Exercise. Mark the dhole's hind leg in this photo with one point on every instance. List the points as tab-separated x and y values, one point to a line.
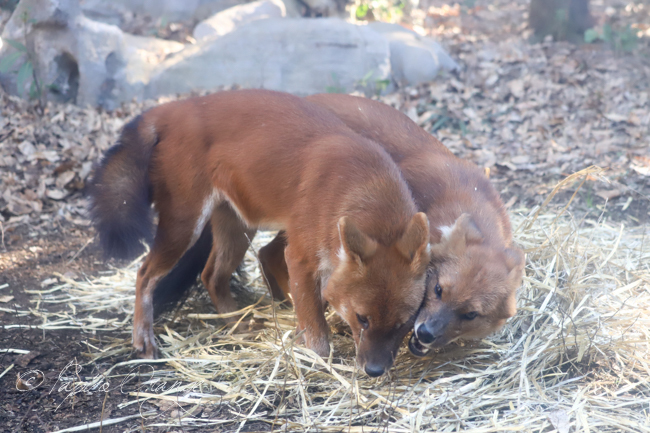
274	267
173	238
230	238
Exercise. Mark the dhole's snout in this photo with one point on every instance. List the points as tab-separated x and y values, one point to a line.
431	332
376	364
376	355
376	369
433	329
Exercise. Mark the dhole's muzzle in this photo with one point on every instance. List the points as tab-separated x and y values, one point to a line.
375	354
432	332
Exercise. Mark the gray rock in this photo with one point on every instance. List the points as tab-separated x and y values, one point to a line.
414	59
30	20
113	66
323	7
293	8
80	60
226	21
113	11
51	13
301	56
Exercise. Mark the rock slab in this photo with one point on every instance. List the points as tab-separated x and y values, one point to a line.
93	63
113	11
414	59
80	60
226	21
300	56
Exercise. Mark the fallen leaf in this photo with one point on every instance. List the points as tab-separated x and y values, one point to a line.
517	88
64	178
511	202
485	158
71	275
6	298
25	359
26	148
56	194
7	161
48	155
412	113
508	164
62	168
608	195
491	80
48	282
86	168
641	164
615	117
520	159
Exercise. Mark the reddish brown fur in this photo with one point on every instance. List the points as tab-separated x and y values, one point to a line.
476	265
252	159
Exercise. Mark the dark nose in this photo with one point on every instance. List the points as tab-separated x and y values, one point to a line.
424	334
373	370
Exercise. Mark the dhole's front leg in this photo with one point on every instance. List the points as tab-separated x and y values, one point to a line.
307	301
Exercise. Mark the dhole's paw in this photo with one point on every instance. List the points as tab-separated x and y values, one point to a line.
144	342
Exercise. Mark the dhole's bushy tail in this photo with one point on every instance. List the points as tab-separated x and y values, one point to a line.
121	192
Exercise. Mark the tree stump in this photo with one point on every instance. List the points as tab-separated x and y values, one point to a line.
565	20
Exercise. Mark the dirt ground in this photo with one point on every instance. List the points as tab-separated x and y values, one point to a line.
44	233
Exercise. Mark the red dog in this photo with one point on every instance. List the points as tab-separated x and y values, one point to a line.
248	159
475	268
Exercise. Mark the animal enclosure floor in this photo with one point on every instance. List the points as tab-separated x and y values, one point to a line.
533	114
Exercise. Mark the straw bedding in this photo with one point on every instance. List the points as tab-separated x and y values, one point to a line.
574	358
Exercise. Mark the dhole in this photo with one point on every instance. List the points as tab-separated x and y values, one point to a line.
248	159
475	268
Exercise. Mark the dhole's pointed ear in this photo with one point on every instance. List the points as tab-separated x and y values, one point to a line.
466	230
355	243
514	258
515	261
510	306
455	239
415	241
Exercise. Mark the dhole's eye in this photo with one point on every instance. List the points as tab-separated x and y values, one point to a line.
438	291
470	316
363	320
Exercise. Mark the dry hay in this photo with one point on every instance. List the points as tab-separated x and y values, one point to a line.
574	357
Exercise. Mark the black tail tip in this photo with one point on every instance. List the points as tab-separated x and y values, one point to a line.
124	241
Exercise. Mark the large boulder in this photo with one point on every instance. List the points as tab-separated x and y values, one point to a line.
414	59
226	21
30	20
77	59
114	11
301	56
